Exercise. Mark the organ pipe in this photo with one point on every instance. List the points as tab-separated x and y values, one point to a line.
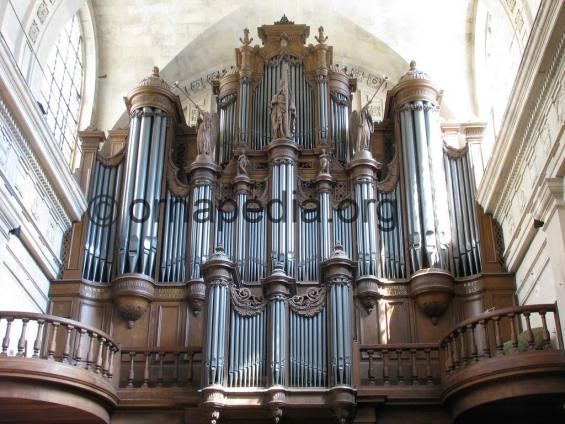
100	236
465	234
282	227
200	236
141	199
174	244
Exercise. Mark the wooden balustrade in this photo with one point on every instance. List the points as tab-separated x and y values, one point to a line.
160	367
77	339
401	364
481	337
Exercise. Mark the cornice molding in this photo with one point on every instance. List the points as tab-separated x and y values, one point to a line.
539	62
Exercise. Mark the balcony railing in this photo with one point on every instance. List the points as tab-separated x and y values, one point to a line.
60	340
157	367
399	371
400	364
480	338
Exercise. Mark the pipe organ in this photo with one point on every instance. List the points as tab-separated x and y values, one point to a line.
287	216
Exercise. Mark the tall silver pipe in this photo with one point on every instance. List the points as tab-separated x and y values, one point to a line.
129	183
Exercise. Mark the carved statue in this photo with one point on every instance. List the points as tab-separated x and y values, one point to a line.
242	163
208	132
208	127
361	124
283	112
361	128
324	163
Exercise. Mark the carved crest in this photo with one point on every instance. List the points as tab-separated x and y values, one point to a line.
309	304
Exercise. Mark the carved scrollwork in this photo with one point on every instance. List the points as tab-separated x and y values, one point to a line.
309	304
245	303
177	187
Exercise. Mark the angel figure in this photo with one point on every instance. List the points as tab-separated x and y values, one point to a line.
361	128
242	163
208	132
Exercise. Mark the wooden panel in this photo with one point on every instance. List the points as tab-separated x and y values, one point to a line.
168	325
397	320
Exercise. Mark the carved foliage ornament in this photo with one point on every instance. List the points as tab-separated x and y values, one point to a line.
245	303
309	304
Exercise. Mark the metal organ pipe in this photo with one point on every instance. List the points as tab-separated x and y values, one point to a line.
100	236
465	235
141	196
412	190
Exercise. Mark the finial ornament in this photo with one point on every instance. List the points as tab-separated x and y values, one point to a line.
284	21
246	40
155	71
321	38
412	65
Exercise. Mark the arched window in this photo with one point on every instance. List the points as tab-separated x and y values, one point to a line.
61	88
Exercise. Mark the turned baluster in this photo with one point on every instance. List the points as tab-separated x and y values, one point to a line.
22	340
529	333
90	354
513	332
131	374
78	355
463	346
99	356
473	351
499	350
53	344
545	332
413	359
486	346
176	369
385	367
449	360
67	349
113	351
371	369
160	356
37	342
146	371
106	363
400	368
429	377
6	339
455	351
190	370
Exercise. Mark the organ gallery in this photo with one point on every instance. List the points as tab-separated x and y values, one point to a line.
292	258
